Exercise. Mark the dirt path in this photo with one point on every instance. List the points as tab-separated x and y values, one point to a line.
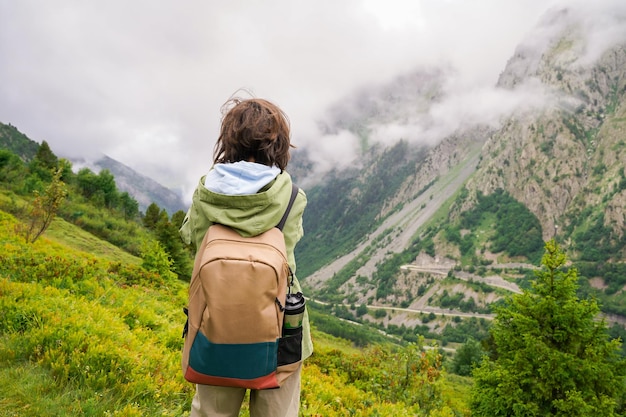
436	310
425	310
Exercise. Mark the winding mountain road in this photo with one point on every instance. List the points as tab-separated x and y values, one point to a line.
492	280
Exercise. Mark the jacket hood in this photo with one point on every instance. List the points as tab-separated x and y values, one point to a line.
248	214
239	178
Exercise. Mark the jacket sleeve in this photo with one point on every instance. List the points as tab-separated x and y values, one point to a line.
185	229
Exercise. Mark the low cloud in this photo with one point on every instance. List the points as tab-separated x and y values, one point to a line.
143	81
461	103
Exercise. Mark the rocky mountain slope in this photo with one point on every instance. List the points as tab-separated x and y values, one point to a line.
560	161
571	155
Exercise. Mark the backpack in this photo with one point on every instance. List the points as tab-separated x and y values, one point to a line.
234	332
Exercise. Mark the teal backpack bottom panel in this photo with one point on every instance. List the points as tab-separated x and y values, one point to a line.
232	362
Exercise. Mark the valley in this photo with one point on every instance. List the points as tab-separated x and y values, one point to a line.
399	228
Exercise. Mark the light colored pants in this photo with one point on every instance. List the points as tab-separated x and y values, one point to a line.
212	401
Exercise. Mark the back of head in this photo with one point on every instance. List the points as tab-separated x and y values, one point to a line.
253	130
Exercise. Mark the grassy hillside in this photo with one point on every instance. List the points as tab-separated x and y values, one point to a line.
86	331
65	233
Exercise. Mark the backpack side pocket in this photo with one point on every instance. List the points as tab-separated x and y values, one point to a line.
290	346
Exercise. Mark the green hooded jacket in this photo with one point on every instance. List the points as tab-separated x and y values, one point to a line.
251	215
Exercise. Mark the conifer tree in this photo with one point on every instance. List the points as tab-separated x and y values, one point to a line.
178	218
44	164
155	258
167	234
551	354
12	169
153	215
129	206
46	157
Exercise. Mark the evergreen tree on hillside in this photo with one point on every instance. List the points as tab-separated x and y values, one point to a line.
467	357
153	215
167	234
129	206
12	170
45	162
155	258
46	157
178	218
550	353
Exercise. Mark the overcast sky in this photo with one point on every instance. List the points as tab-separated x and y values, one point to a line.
143	80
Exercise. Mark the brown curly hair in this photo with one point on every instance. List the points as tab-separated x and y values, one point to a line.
253	130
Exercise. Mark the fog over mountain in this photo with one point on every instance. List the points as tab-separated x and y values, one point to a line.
427	105
144	82
540	155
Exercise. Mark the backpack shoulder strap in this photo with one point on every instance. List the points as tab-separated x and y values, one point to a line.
294	193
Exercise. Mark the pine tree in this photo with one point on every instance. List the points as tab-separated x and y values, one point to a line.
46	157
129	206
155	258
45	162
551	354
167	234
153	215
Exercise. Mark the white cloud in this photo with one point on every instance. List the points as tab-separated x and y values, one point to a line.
333	151
143	81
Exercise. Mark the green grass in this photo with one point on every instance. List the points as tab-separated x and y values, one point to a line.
326	341
65	233
70	235
83	334
30	390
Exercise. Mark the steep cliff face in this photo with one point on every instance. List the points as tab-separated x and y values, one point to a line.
442	160
570	154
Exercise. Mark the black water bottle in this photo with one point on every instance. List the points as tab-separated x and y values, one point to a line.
294	311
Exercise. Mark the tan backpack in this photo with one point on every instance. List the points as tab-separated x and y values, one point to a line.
234	333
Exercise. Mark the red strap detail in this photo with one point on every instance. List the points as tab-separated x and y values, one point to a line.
264	382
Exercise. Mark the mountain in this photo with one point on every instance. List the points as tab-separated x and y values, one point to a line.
449	228
17	142
575	149
143	189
